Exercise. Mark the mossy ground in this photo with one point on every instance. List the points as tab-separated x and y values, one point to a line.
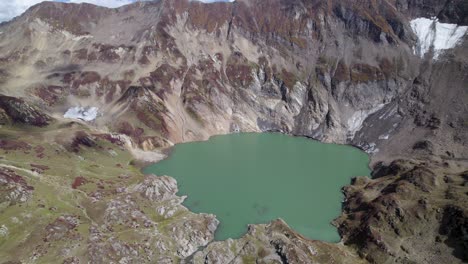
85	201
105	167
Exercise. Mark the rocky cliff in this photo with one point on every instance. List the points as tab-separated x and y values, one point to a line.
387	76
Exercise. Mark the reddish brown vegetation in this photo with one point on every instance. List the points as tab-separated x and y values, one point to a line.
238	70
87	78
148	110
138	134
161	78
82	139
39	151
7	175
77	16
22	112
127	129
288	78
62	227
342	72
39	167
79	181
365	73
13	187
388	68
50	94
9	144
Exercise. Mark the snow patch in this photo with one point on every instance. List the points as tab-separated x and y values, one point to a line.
120	51
82	113
433	34
384	136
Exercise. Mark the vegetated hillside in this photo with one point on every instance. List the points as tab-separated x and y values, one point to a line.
165	72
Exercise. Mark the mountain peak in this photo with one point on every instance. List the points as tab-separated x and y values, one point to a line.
72	17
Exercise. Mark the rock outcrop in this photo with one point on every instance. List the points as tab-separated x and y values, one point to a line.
20	111
13	188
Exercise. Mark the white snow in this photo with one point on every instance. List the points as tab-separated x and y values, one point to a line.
439	36
384	136
120	51
83	113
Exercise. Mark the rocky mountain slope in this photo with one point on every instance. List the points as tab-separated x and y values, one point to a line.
145	76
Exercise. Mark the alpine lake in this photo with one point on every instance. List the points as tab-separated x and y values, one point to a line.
255	178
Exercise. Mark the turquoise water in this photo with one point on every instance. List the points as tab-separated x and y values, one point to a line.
255	178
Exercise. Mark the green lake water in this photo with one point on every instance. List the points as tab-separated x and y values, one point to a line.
255	178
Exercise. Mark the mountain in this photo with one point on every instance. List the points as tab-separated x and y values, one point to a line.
387	76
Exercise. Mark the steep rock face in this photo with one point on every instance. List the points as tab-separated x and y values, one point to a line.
431	110
449	11
20	111
186	70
